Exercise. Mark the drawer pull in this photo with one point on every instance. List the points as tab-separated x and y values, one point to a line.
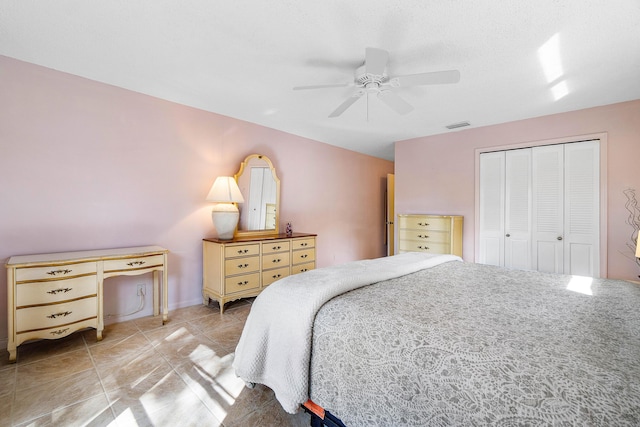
304	244
275	276
275	261
132	263
246	282
423	236
59	331
57	291
303	270
304	256
56	272
426	248
423	224
243	251
243	265
275	248
61	314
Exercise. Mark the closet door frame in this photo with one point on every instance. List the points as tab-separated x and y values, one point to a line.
602	136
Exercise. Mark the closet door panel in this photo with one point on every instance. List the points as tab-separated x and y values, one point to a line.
548	208
582	209
517	242
492	182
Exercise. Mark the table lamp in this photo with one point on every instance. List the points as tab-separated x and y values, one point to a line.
225	193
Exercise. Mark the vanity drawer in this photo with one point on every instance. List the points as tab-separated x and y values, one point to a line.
241	250
241	265
426	236
425	223
270	276
301	268
275	246
50	316
34	293
303	243
27	274
275	260
137	263
241	283
304	255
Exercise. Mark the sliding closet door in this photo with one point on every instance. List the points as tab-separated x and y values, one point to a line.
517	226
548	208
582	209
492	185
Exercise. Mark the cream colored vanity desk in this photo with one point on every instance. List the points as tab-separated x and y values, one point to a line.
53	295
244	266
438	234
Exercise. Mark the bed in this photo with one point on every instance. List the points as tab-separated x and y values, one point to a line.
419	340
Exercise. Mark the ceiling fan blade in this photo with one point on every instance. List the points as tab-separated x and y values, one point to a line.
396	103
375	60
321	86
346	104
437	77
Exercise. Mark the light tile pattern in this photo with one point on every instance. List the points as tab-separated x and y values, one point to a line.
141	374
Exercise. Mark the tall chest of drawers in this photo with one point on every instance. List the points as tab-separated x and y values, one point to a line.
53	295
437	234
243	267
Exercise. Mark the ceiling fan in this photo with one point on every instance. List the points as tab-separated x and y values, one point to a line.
371	78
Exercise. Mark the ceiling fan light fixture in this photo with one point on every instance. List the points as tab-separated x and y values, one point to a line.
458	125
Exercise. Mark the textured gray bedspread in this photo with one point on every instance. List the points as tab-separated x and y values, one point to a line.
465	344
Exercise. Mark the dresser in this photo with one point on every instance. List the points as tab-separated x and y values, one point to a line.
437	234
244	266
53	295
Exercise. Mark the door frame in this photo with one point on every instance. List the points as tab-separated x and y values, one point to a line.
602	136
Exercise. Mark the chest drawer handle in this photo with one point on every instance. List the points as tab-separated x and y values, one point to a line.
59	331
423	224
132	263
61	314
303	270
304	256
275	276
304	244
426	248
275	261
57	291
243	251
243	265
275	248
56	272
423	236
246	282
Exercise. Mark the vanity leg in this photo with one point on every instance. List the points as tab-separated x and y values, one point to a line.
13	353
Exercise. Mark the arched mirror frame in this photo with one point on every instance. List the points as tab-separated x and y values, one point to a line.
245	165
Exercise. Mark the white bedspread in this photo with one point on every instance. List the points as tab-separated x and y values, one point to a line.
275	346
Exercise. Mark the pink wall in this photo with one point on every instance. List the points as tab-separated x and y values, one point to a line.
437	174
84	165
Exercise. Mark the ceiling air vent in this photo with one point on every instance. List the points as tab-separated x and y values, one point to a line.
457	125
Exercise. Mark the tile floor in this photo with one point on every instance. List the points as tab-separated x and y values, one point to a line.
141	374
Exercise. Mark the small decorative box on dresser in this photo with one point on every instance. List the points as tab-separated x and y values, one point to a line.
243	267
53	295
437	234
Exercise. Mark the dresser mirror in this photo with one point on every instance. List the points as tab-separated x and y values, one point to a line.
260	187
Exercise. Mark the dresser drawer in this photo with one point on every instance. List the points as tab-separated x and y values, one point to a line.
304	255
241	250
425	236
28	274
241	283
270	276
303	243
49	316
425	223
301	268
276	246
242	265
137	263
34	293
275	260
432	248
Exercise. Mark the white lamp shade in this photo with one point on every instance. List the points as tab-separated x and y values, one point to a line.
225	190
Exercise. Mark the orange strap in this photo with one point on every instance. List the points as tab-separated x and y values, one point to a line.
316	409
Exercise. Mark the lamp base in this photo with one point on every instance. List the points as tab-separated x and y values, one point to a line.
225	219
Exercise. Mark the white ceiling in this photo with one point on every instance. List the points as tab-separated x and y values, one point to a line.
241	58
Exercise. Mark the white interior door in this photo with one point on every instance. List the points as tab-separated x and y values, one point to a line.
492	195
517	241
